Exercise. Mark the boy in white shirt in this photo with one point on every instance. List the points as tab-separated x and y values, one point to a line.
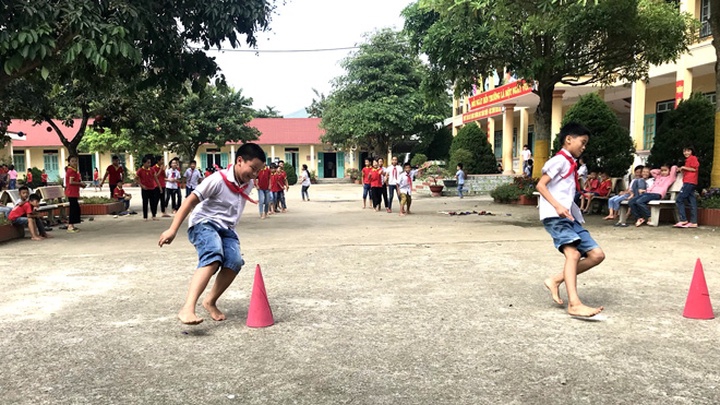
404	187
563	220
526	156
215	207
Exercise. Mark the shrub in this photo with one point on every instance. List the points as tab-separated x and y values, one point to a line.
506	193
610	146
292	177
473	139
460	156
97	200
418	159
353	173
692	123
36	173
710	198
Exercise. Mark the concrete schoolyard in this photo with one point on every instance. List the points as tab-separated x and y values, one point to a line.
370	308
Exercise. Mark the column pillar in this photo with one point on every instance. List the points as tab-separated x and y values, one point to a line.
166	157
272	153
557	115
637	114
313	165
62	164
523	132
131	163
28	162
97	162
491	132
686	76
232	153
508	124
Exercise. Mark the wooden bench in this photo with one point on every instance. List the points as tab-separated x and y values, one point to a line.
599	203
657	205
10	197
54	198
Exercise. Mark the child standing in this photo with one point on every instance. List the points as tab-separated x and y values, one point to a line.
162	196
28	178
73	183
43	178
172	185
148	181
526	157
96	179
460	177
376	182
563	220
305	183
263	187
687	193
12	178
366	182
192	178
215	208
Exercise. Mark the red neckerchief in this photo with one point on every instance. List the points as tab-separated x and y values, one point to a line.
237	189
573	167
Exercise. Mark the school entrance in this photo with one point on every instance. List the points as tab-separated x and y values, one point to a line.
331	165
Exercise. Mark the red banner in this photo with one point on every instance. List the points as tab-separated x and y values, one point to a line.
679	91
481	113
500	94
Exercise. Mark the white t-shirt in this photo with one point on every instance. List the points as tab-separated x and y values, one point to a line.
393	174
192	177
306	178
217	202
526	154
562	189
172	174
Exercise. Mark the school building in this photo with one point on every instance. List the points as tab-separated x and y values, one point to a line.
506	111
294	140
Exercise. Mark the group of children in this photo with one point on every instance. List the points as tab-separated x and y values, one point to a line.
381	183
271	186
9	177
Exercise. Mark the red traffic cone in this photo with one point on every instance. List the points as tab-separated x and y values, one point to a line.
698	304
259	312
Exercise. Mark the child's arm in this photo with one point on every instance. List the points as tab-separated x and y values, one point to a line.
543	190
185	209
655	173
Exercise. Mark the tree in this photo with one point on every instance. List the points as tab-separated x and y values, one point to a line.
436	144
268	112
377	104
690	124
217	115
546	42
610	147
317	106
472	138
74	56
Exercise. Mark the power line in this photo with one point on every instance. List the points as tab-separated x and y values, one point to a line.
280	50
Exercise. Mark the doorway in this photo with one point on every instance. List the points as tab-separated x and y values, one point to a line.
85	167
330	165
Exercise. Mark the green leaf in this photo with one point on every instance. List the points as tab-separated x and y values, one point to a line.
44	72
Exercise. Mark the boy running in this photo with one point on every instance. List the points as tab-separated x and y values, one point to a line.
563	220
220	200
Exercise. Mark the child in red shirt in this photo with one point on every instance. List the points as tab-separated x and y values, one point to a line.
366	181
375	178
120	195
25	213
277	187
43	178
147	178
687	192
28	178
595	187
263	187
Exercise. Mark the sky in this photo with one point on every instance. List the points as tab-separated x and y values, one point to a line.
285	80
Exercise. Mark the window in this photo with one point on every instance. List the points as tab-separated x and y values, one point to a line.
649	131
705	30
515	151
661	109
19	161
711	97
498	144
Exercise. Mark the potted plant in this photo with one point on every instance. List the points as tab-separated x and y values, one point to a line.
709	207
506	193
354	175
527	188
8	231
100	206
434	173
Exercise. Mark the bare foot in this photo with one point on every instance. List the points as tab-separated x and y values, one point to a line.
189	317
554	290
155	219
583	310
215	313
402	214
35	238
609	218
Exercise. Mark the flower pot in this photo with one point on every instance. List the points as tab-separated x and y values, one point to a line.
9	232
525	200
451	183
436	190
709	216
101	209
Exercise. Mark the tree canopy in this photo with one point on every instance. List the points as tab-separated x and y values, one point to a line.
546	42
377	103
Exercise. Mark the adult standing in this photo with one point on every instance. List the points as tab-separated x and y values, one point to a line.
392	174
73	183
113	174
193	176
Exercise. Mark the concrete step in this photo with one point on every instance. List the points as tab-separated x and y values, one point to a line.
341	180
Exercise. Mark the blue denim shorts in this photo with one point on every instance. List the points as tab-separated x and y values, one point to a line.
216	244
566	232
20	221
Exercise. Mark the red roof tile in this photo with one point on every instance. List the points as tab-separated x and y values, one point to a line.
38	135
288	131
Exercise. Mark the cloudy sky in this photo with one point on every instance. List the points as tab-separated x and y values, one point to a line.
285	80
